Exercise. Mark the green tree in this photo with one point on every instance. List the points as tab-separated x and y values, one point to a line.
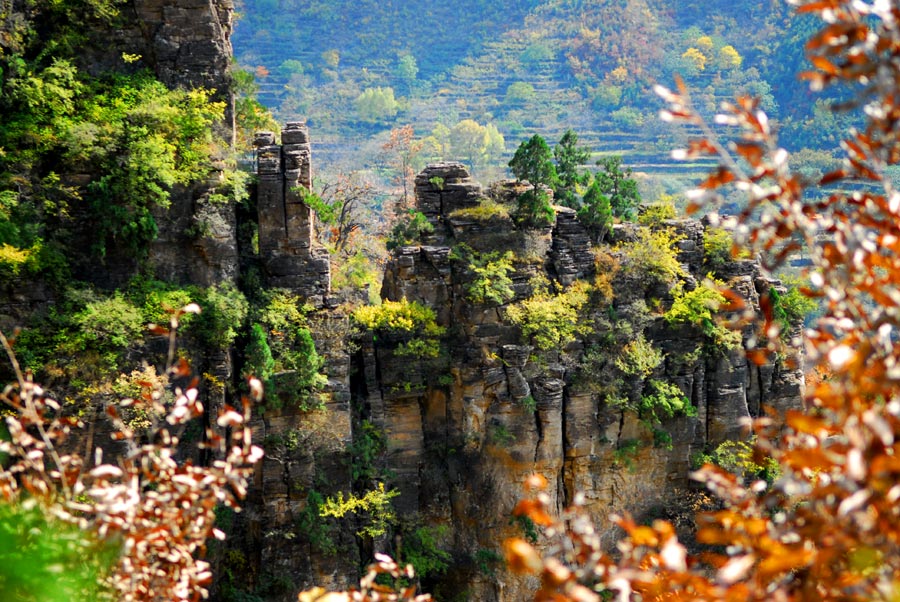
468	140
376	104
595	212
569	157
618	185
533	162
495	144
519	93
407	69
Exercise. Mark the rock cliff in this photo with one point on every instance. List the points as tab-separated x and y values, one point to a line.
459	432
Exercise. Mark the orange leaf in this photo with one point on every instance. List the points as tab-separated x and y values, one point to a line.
804	423
521	557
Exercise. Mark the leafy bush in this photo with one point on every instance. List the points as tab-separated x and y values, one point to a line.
665	400
313	526
259	361
791	308
627	117
551	321
14	260
738	457
369	443
158	299
639	358
409	231
109	324
421	549
224	310
281	352
486	561
147	138
534	209
501	435
409	320
659	401
626	453
698	308
653	255
654	214
357	272
490	272
719	249
375	505
399	317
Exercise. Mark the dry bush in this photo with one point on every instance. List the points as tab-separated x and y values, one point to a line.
829	527
158	510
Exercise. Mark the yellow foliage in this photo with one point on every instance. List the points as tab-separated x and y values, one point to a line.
729	58
619	75
697	58
705	43
12	259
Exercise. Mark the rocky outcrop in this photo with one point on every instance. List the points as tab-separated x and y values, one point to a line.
504	409
287	246
571	257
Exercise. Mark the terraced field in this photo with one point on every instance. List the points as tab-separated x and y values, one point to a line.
496	79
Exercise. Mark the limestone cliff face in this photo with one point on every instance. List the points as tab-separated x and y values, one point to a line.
569	433
461	432
187	43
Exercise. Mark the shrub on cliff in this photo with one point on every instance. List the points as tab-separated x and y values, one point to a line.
489	274
653	254
409	230
698	308
551	321
414	324
281	352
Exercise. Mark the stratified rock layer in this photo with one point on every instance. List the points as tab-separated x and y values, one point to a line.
508	410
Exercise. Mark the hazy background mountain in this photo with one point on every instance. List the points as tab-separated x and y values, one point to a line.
356	69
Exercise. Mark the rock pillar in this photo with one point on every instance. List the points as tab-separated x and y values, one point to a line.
287	246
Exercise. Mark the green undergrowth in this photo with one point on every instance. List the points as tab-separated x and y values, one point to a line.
89	339
280	351
414	325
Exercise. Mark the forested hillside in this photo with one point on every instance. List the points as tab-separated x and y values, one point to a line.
355	70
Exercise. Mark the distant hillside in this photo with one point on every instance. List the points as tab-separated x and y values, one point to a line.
355	69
